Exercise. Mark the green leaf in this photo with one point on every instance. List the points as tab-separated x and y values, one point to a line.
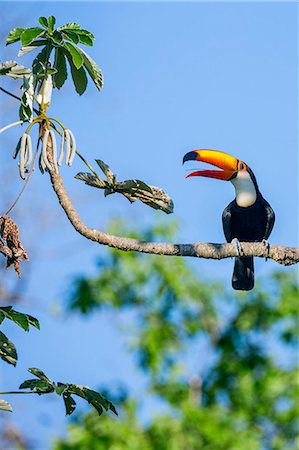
14	35
85	33
57	37
5	406
69	403
69	26
79	76
51	23
39	63
59	64
106	170
60	388
71	36
40	386
21	319
74	53
39	373
33	321
8	350
93	69
90	179
86	40
43	21
32	46
29	34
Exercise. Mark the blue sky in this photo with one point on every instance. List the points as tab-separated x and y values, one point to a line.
178	76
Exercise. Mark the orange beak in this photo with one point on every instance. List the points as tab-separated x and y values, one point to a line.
228	164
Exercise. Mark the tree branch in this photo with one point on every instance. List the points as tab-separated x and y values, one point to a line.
281	254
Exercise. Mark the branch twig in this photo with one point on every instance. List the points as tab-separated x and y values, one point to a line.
281	254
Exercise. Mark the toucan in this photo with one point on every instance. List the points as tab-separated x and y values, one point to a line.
248	218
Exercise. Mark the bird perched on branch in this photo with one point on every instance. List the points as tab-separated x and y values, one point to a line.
248	218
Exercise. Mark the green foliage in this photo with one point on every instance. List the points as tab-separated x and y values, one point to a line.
244	398
64	42
43	385
8	350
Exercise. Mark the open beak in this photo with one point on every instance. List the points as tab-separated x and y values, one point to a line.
227	163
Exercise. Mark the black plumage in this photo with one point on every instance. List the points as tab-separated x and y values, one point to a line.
248	224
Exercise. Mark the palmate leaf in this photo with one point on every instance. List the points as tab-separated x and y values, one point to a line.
133	190
64	40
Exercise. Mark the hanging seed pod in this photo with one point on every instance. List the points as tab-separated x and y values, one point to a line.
61	153
41	163
54	149
44	150
73	148
67	146
28	151
22	156
17	149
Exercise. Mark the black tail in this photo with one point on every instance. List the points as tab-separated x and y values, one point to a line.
243	276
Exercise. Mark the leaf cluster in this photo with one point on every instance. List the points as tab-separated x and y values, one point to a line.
8	350
58	47
133	190
43	385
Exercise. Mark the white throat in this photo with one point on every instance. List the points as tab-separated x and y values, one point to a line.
245	190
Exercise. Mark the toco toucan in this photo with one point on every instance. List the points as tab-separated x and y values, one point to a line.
248	218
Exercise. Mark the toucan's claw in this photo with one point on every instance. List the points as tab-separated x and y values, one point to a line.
267	245
238	246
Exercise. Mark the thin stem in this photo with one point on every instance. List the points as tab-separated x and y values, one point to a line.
89	166
19	122
27	180
58	121
18	392
16	97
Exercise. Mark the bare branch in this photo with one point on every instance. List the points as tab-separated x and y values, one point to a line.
281	254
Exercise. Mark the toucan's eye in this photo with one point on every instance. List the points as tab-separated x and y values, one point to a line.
241	166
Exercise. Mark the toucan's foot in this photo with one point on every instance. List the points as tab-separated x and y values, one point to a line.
267	245
238	246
